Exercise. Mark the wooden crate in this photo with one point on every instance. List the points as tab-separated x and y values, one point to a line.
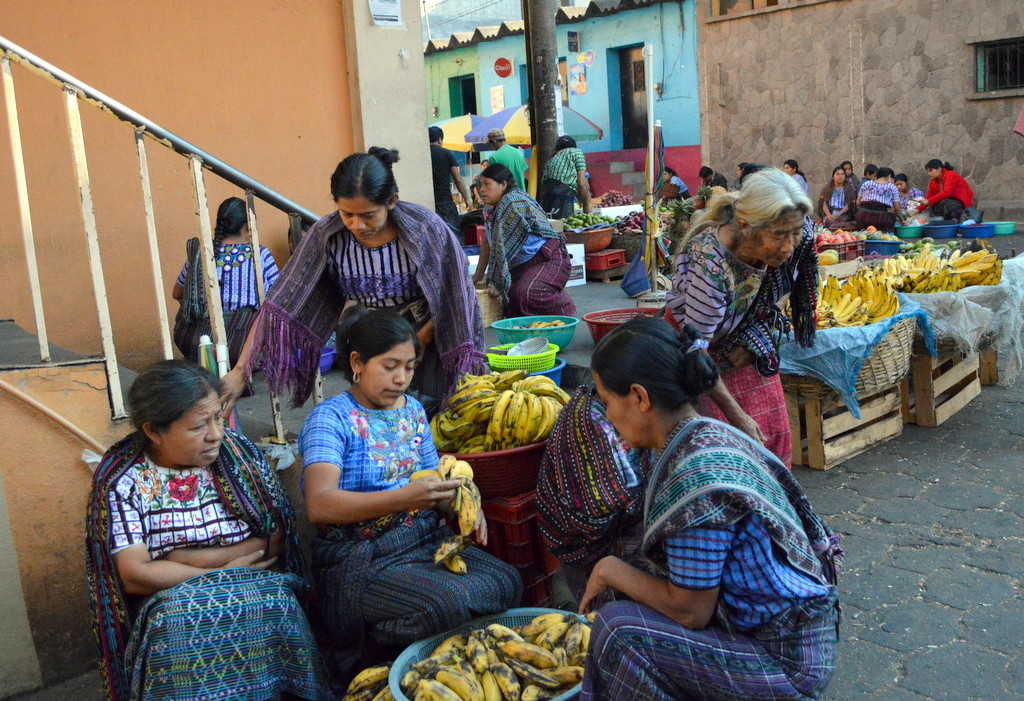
939	386
826	434
988	367
610	275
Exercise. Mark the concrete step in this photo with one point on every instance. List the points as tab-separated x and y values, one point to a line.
621	167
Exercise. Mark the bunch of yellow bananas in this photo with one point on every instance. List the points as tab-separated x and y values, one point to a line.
836	308
498	411
875	292
467	508
542	325
540	660
946	271
370	685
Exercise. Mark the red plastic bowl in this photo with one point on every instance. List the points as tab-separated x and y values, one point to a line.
506	473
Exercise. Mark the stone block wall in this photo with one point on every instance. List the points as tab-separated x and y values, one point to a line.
889	82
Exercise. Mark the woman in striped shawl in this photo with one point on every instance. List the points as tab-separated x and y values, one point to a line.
734	596
741	258
193	564
523	260
381	253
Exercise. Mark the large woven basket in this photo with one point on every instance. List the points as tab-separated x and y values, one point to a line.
888	363
490	307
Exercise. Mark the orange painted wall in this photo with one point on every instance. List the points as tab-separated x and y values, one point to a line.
263	86
47	487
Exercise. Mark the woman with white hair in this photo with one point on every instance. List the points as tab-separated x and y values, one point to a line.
747	251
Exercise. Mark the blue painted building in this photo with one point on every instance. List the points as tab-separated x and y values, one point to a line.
461	74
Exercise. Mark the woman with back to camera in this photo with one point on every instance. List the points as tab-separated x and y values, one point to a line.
383	254
734	596
236	272
565	181
194	567
373	558
741	256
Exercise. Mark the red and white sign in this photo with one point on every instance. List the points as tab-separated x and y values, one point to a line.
503	67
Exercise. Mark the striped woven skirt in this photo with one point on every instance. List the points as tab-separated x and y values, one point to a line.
229	634
637	653
388	588
763	400
538	285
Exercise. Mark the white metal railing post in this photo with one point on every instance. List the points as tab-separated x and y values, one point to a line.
261	293
93	245
154	251
21	186
212	284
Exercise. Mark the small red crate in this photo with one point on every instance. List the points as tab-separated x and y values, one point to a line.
549	562
608	258
538	593
848	250
473	234
514	517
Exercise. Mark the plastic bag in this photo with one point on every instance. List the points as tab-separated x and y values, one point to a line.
283	453
91	459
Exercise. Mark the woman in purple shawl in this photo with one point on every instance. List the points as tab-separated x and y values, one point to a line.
382	254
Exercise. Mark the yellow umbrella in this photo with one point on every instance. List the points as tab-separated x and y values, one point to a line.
455	130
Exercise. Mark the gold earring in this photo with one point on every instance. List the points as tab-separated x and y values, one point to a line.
355	379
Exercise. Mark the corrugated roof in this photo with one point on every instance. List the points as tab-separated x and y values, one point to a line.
565	15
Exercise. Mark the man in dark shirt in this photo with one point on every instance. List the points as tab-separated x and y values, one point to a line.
712	178
444	169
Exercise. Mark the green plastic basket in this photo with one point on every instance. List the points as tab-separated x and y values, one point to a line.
421	650
1003	228
909	231
530	363
561	336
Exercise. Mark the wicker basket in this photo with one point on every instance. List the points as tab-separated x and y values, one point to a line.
888	363
490	307
601	323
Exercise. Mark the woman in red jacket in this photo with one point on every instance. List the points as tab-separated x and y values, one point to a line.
948	193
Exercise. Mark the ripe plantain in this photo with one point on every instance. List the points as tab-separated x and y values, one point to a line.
507	680
541	622
433	690
529	653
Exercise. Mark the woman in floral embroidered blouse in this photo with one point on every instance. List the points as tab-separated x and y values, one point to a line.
373	559
185	524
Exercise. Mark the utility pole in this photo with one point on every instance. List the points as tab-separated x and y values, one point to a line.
542	76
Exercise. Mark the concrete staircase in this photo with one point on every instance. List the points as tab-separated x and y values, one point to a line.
616	175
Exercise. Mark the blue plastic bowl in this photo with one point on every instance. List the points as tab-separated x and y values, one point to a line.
940	231
882	248
555	373
327	359
559	335
977	231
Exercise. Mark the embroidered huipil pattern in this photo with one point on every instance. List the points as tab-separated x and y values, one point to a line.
170	508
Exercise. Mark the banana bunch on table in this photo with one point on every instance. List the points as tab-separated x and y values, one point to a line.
875	293
467	510
540	660
497	411
943	271
839	308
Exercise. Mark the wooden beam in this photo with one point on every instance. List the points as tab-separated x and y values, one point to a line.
154	249
99	287
21	190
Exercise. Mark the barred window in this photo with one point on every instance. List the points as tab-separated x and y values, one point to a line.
1000	65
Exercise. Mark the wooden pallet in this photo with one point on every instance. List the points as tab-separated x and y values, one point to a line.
610	275
826	434
988	367
939	386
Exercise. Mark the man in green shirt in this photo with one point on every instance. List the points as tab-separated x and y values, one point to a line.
507	155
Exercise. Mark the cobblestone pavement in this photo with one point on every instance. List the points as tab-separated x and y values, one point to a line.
933	525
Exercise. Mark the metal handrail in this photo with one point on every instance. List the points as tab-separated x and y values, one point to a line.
36	65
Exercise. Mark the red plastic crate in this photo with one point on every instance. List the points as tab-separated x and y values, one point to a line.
538	593
473	234
849	250
512	517
608	258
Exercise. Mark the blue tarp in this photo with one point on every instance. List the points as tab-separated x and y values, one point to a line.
838	354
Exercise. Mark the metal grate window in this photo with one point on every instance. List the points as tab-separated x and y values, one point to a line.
1000	65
